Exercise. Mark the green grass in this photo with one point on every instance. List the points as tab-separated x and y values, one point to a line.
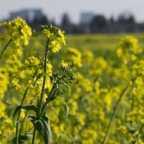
99	41
100	44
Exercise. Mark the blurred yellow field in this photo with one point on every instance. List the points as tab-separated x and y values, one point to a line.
78	89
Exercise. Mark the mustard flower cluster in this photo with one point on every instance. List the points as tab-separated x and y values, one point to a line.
19	31
55	37
3	82
73	57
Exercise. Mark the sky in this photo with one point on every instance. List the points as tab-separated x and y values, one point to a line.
55	8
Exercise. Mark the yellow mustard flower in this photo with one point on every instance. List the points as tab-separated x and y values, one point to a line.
55	38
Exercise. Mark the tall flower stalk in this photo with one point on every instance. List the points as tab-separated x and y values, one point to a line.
38	117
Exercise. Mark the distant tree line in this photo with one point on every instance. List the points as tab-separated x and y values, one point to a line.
99	23
124	23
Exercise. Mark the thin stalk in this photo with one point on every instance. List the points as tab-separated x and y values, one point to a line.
18	117
34	135
113	115
5	48
43	86
22	101
52	93
44	76
22	122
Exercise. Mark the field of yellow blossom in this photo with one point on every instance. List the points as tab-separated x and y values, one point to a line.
57	89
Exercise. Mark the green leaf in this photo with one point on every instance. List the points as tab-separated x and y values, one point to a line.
27	107
52	94
43	128
47	132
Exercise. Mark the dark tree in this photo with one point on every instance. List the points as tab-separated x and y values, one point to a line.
126	18
126	23
66	23
98	24
43	20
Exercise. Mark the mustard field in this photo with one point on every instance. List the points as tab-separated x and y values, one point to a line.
59	89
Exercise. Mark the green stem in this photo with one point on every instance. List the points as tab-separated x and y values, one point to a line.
22	122
113	115
17	132
44	75
5	48
18	117
34	135
19	113
52	93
